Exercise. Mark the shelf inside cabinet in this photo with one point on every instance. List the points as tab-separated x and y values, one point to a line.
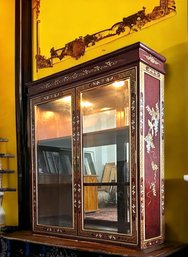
107	184
53	179
105	137
56	142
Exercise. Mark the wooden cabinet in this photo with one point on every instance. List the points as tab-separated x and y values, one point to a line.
100	124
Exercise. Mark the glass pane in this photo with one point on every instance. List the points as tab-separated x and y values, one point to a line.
54	162
105	116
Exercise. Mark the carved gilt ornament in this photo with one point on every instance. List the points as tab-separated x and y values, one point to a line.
128	25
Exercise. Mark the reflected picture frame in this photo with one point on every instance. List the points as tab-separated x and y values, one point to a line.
89	164
54	160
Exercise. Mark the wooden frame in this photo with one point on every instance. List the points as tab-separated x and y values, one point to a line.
109	175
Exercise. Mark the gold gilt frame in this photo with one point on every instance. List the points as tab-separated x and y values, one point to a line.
128	25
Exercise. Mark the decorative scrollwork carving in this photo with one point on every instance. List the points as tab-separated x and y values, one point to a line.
128	25
36	7
43	62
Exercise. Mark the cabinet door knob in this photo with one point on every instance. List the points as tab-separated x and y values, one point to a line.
185	177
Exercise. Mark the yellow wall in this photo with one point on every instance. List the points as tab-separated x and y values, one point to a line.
176	141
168	37
7	105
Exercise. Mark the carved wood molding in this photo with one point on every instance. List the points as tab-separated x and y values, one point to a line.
128	25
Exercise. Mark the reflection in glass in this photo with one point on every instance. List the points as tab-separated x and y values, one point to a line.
54	162
105	113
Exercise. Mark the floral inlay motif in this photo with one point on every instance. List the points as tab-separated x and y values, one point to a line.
162	119
151	59
162	196
142	198
153	183
141	113
153	124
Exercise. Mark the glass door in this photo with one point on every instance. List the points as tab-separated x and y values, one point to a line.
53	170
105	128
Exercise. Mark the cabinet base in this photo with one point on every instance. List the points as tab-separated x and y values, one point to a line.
27	237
